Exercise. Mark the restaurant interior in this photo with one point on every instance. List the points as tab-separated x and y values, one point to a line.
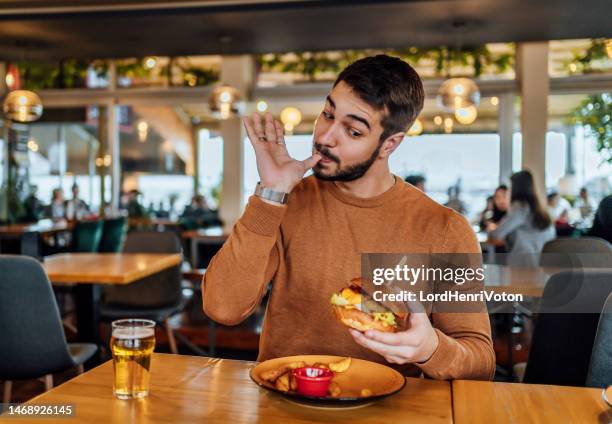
125	167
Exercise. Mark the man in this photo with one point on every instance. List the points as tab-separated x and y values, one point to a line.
585	205
310	247
76	208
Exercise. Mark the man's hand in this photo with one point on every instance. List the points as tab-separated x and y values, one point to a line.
416	344
277	170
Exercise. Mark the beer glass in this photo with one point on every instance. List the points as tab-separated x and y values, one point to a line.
132	344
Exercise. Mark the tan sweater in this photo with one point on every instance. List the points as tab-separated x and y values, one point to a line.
311	247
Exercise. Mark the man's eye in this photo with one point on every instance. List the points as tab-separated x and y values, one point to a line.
353	133
327	115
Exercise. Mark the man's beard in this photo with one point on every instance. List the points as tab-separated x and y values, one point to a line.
351	172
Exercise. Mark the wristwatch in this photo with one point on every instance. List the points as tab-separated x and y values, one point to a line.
269	194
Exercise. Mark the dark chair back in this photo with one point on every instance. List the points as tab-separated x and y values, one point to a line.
565	327
600	368
32	340
160	289
113	235
86	236
580	252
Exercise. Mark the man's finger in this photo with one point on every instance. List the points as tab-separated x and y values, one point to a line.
253	138
380	348
280	133
402	338
270	130
312	161
259	132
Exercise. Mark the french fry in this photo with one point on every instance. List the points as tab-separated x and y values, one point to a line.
292	382
272	375
341	365
334	389
297	364
282	382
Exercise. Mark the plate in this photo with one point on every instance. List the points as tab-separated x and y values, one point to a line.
381	380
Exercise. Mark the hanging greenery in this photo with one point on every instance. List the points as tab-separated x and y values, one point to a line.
595	114
596	58
313	64
69	73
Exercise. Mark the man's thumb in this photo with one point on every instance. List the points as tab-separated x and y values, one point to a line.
312	161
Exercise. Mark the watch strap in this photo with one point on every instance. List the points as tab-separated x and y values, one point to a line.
269	194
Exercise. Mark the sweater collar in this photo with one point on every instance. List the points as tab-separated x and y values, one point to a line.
363	202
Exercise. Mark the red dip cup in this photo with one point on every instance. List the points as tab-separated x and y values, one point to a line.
312	381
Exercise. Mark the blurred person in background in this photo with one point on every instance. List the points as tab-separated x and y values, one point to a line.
199	215
56	209
134	206
585	204
496	208
416	180
454	199
76	208
527	226
34	208
602	223
558	207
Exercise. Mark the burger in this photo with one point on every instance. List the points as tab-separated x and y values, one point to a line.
356	309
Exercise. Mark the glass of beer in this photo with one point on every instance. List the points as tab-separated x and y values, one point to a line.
132	344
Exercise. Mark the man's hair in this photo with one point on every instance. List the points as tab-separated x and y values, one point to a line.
387	84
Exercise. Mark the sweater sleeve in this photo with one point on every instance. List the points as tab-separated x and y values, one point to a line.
237	276
465	349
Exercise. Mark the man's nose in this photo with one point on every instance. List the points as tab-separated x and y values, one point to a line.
328	137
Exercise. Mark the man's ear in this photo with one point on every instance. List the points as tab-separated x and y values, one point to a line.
391	143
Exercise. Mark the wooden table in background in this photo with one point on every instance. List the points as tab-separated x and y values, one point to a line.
90	270
211	236
29	234
511	279
487	402
190	389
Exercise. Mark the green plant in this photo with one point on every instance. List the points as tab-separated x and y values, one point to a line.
312	64
588	61
595	114
69	73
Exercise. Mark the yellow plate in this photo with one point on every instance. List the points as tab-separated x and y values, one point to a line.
381	380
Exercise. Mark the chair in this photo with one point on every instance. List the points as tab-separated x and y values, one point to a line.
86	236
565	329
32	341
113	235
157	297
581	252
600	368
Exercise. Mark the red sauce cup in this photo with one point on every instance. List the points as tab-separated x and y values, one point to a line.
312	381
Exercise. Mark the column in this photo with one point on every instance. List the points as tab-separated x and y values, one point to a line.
115	154
505	125
239	72
532	74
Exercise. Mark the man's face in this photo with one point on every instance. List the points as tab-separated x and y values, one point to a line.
347	134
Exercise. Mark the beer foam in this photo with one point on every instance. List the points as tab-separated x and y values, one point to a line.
133	333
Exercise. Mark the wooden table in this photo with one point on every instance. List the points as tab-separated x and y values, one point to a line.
29	234
210	236
90	270
189	389
487	402
510	279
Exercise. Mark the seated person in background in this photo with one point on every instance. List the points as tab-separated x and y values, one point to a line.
585	204
56	209
135	209
526	227
76	208
454	200
416	180
199	215
497	209
602	223
34	208
558	208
